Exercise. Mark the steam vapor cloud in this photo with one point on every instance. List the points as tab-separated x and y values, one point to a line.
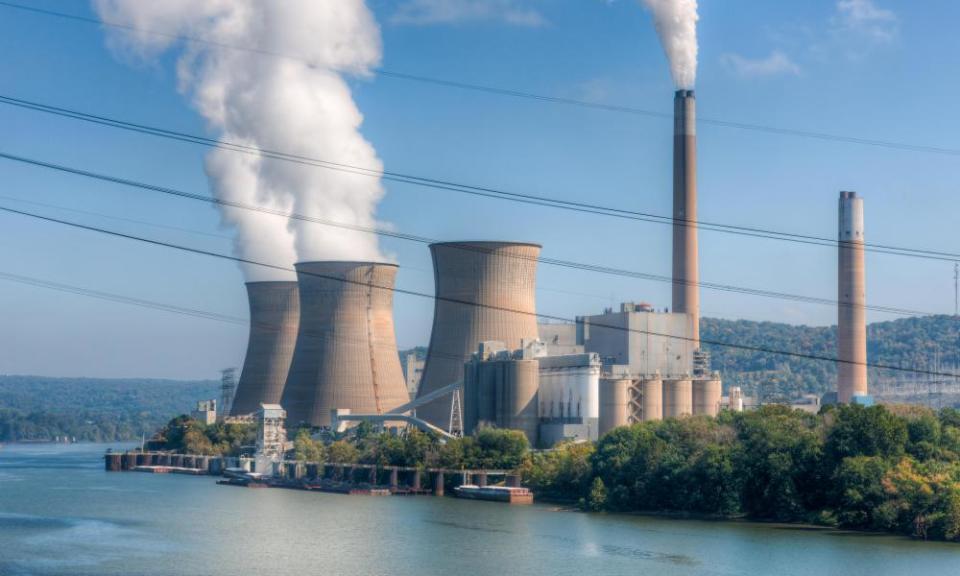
676	23
301	105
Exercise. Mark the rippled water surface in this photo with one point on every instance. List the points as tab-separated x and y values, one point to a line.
61	514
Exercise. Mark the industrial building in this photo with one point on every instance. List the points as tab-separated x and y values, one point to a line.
412	372
346	351
549	398
485	291
274	319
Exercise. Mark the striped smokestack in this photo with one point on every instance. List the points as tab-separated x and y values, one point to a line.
686	266
852	299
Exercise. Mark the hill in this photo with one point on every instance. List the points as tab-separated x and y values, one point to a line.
908	342
93	409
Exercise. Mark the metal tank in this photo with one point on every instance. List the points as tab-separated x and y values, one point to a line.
852	298
346	352
686	274
707	393
484	291
614	403
677	397
652	398
274	318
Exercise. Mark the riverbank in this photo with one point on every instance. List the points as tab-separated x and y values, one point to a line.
61	514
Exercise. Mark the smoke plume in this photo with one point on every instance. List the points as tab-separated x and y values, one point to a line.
676	22
298	103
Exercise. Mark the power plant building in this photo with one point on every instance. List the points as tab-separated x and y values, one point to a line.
549	398
274	319
346	353
485	291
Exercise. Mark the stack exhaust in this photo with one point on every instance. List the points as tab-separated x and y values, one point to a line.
346	352
686	267
274	318
851	302
485	291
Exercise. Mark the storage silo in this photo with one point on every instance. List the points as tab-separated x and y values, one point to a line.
677	397
274	318
614	403
517	397
707	393
484	291
346	352
652	398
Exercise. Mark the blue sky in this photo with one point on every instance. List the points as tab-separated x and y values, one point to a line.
878	70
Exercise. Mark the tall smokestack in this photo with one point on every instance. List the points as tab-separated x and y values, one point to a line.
485	291
274	317
852	299
346	353
686	267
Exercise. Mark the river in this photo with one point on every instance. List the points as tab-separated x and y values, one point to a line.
61	514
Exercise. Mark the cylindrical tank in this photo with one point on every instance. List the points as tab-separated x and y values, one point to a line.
614	403
652	398
677	398
852	301
735	400
517	397
485	291
706	396
346	353
274	318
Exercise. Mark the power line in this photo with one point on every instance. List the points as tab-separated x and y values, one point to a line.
481	191
457	301
466	247
508	92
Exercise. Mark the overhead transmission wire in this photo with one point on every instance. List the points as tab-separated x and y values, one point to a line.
174	309
495	90
458	301
488	192
464	246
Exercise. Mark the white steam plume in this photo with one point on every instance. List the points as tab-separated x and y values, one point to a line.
676	22
298	104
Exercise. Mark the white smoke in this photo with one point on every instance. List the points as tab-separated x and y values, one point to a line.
297	103
676	22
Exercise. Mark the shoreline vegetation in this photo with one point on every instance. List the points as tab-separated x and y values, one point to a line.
893	469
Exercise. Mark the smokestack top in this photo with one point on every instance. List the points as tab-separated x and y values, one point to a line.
680	94
848	194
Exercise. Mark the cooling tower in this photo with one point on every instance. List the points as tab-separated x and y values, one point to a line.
484	291
686	275
851	315
274	317
346	353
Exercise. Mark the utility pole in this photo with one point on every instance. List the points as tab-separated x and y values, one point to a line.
956	288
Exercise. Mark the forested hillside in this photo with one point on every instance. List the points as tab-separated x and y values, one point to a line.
908	342
91	409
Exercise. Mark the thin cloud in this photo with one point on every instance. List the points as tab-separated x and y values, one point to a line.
866	19
430	12
777	63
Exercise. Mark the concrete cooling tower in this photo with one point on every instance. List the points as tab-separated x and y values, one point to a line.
485	291
274	317
346	353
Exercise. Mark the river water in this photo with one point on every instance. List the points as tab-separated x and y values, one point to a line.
61	514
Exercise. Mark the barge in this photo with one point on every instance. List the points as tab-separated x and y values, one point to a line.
508	494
